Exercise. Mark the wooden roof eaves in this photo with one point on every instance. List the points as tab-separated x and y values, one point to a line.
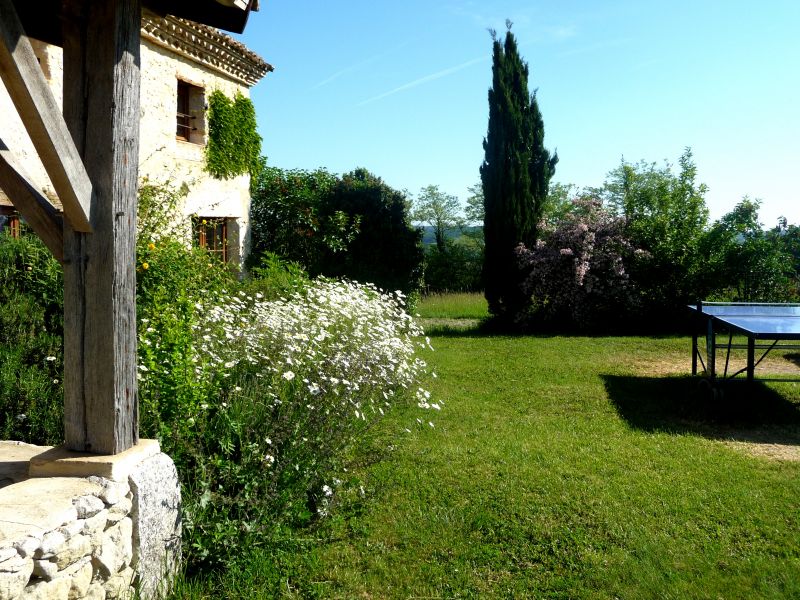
42	19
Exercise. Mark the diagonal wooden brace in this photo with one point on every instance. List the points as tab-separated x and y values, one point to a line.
34	207
42	117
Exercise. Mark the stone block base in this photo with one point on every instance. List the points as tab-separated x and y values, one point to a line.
69	533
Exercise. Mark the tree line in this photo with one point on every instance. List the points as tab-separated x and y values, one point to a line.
631	253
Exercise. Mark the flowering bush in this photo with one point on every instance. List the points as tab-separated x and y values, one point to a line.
279	388
255	388
577	276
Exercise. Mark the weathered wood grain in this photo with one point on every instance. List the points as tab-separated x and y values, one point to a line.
42	118
101	107
32	205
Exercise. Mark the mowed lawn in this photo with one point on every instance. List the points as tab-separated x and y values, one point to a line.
565	467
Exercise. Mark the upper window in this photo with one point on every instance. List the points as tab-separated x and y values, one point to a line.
190	113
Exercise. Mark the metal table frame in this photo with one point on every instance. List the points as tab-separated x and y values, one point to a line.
716	324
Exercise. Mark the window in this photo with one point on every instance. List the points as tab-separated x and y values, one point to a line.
190	113
211	233
10	222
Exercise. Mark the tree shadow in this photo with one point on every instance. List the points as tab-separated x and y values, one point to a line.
730	410
793	357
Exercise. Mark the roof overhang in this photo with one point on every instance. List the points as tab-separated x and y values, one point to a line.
42	19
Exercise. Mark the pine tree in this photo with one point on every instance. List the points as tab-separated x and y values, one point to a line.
515	174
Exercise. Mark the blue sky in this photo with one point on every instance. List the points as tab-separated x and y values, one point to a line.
401	89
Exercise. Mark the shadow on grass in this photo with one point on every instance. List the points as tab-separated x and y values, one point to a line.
793	357
734	410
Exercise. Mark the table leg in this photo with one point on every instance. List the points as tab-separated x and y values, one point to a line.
711	350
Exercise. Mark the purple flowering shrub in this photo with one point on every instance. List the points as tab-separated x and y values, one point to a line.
576	275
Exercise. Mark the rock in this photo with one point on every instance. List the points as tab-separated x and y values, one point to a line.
75	549
96	591
88	506
115	491
93	528
105	560
95	523
120	510
16	564
156	512
44	568
58	589
28	546
119	586
12	582
116	548
52	542
112	491
122	536
80	580
70	529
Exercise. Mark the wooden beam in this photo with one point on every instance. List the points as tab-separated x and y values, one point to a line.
42	118
101	107
32	205
229	15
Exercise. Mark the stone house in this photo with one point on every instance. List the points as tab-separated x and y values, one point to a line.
181	63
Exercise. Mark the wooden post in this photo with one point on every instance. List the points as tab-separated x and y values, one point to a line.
101	108
38	109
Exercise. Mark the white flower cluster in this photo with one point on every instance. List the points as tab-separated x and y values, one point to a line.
344	347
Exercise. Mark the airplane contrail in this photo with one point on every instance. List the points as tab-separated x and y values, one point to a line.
426	79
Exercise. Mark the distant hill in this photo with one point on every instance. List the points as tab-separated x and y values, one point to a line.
429	237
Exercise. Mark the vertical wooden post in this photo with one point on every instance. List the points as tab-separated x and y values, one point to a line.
101	108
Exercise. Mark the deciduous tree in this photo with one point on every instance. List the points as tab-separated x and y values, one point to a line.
439	210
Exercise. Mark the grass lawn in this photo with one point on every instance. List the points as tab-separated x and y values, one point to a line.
453	306
559	467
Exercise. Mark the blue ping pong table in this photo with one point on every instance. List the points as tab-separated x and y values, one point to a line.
764	326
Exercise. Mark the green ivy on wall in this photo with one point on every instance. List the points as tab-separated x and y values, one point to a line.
234	146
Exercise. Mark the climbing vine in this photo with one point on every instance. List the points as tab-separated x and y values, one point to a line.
234	146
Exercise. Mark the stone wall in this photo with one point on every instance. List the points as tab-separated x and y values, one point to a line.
70	538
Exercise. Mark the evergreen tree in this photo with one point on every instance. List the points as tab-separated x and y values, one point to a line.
515	174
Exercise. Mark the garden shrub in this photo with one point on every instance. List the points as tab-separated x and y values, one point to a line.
577	276
31	324
387	251
293	383
745	263
291	216
665	215
255	389
355	227
457	268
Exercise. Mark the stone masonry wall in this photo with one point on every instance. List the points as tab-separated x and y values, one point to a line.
88	555
73	538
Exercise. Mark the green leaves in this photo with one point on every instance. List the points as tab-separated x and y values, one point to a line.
439	210
234	146
515	174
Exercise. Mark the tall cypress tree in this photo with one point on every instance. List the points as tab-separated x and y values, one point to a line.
515	173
